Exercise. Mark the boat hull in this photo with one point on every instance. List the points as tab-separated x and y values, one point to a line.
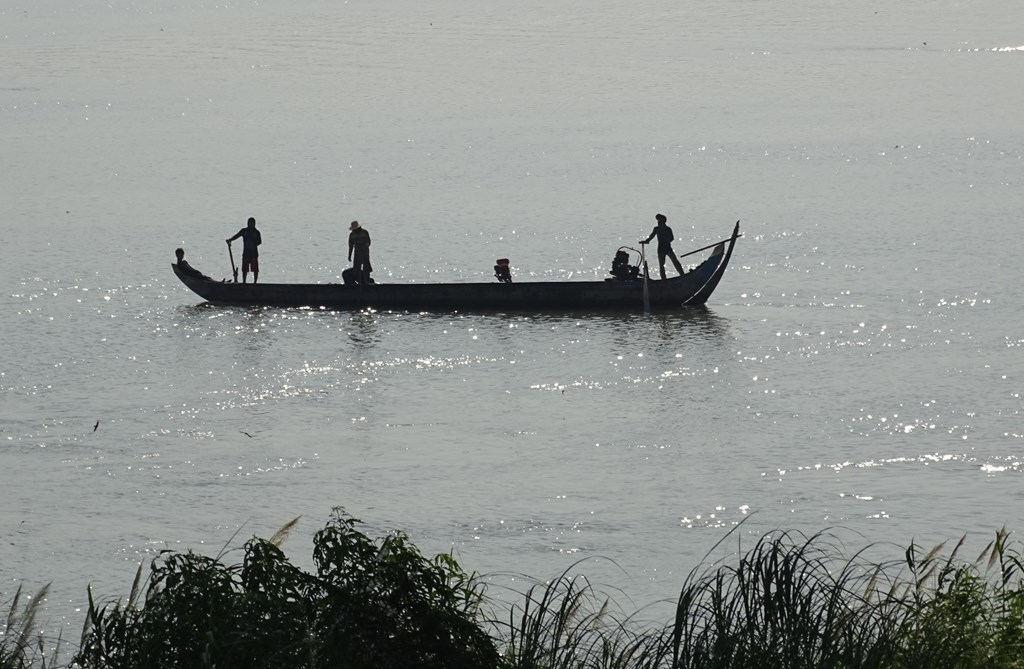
691	289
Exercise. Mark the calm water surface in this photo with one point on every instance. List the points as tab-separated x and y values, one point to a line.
860	366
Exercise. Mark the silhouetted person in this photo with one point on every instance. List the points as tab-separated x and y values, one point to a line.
665	237
187	269
359	244
251	240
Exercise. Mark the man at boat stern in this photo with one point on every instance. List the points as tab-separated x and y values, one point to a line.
359	244
665	237
251	240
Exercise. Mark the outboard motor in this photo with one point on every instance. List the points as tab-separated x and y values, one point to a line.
621	269
502	272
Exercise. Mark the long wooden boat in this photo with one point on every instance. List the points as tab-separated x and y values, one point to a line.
691	289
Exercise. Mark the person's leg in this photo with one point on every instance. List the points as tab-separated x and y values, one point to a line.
661	263
675	261
255	267
362	266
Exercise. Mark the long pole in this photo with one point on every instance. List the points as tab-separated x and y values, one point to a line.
709	246
234	270
647	294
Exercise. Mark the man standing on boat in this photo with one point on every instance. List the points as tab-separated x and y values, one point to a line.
359	243
665	237
251	240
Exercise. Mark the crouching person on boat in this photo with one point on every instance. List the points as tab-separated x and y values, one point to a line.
186	269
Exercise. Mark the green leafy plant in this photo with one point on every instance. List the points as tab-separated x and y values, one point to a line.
788	602
370	604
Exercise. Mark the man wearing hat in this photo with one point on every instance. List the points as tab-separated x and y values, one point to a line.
359	242
665	237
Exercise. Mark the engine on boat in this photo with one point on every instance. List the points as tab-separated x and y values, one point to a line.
501	270
621	269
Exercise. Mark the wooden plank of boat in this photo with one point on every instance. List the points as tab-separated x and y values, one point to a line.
691	289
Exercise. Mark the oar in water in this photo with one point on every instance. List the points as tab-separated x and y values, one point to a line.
234	270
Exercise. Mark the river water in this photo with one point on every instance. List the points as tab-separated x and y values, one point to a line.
859	368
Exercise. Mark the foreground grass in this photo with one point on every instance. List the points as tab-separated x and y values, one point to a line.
789	601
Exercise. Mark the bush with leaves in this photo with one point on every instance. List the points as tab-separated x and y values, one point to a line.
788	602
370	604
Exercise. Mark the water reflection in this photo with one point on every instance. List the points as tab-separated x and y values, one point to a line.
254	328
701	317
696	323
200	310
365	330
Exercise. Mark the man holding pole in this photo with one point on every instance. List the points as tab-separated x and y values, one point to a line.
665	237
251	240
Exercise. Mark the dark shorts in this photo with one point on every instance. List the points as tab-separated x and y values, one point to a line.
250	264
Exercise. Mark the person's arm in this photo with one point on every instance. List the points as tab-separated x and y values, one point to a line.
350	245
650	236
237	235
259	238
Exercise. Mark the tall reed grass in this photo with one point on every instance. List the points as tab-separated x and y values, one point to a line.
22	644
794	602
787	601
